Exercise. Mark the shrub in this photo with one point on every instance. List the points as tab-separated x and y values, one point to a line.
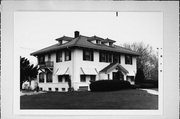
109	85
139	76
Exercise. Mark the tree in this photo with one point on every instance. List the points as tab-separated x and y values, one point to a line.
147	61
139	78
27	71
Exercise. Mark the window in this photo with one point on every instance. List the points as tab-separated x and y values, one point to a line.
49	57
60	42
128	59
105	57
67	55
41	78
102	57
116	58
92	77
88	55
63	89
56	89
49	77
41	59
110	43
59	56
66	78
49	89
40	89
60	78
83	78
97	42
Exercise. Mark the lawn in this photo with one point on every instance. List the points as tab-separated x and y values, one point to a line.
124	99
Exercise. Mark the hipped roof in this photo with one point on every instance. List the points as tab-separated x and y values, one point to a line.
83	42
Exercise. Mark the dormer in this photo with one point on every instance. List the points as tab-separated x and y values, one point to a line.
64	39
108	42
96	40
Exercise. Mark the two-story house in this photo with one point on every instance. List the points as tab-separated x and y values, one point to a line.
83	59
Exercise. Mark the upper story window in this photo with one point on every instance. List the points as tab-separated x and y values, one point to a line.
88	55
98	42
110	43
67	55
59	56
116	58
105	57
49	57
60	42
102	57
128	59
41	59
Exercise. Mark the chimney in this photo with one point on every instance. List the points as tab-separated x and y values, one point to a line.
76	34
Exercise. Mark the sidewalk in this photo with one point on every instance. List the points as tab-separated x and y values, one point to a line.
150	91
31	93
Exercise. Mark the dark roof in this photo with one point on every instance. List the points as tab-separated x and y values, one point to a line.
108	40
112	66
95	38
66	38
82	41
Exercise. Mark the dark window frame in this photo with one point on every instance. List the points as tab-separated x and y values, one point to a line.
59	56
116	58
128	59
67	54
60	78
49	79
92	78
82	78
41	59
90	56
49	57
41	80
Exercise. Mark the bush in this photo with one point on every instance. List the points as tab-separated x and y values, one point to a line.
109	85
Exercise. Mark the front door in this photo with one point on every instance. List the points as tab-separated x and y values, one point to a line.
118	75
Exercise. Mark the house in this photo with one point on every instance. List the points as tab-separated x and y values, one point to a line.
76	61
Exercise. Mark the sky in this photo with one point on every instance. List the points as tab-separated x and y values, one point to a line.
36	30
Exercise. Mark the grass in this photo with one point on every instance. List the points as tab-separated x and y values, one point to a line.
124	99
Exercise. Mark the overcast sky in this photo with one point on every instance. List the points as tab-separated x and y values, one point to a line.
36	30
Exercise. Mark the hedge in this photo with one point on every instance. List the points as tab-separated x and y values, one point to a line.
109	85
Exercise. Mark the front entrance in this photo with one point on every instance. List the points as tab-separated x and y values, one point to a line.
118	75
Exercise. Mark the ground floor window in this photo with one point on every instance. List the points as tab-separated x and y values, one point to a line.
92	77
49	89
64	78
63	89
56	89
40	89
83	78
49	77
41	78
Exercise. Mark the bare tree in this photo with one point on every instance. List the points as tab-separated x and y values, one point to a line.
147	61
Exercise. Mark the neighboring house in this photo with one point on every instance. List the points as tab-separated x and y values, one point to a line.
83	59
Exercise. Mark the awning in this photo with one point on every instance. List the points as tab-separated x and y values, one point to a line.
62	71
89	71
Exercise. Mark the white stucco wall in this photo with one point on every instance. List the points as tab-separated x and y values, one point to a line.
75	65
